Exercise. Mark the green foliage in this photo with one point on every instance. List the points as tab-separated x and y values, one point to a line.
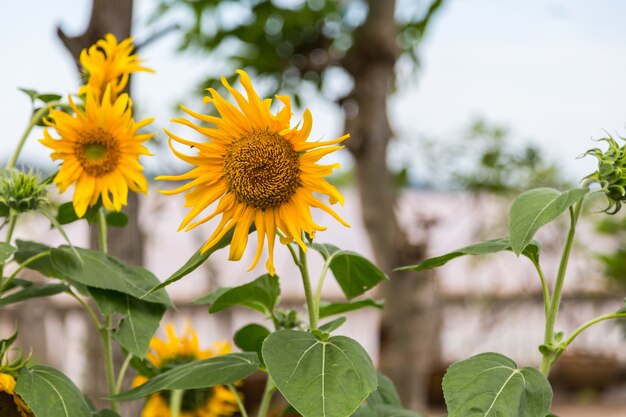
261	295
33	291
6	251
48	392
534	209
331	309
27	249
384	402
332	325
219	370
354	273
319	377
250	339
22	191
490	384
610	173
532	251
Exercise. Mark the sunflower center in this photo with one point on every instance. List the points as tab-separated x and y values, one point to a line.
8	408
98	152
262	169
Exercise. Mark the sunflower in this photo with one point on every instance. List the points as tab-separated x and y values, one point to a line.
262	171
109	62
217	401
11	405
100	150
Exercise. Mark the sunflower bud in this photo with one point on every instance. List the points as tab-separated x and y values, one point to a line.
611	173
21	191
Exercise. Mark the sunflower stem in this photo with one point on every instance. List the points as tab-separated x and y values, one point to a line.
102	230
267	397
308	292
176	402
9	236
122	373
39	114
109	365
242	408
23	265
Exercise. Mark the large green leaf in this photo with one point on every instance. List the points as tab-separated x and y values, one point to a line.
260	295
490	385
386	393
536	208
195	261
99	270
490	246
27	249
385	410
219	370
6	251
329	378
330	309
49	393
140	319
354	273
33	291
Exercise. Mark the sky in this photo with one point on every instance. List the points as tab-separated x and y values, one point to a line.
552	71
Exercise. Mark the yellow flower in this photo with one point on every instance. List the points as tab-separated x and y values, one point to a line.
100	150
262	170
109	62
217	401
11	405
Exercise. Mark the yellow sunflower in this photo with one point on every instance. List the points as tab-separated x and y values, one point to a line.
260	168
109	62
217	401
100	149
11	405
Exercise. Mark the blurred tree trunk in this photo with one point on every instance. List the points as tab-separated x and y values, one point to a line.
108	16
411	320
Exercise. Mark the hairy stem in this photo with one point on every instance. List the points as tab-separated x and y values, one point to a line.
308	292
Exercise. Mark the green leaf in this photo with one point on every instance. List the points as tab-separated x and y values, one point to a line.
28	249
536	208
260	295
490	246
34	291
6	251
250	338
385	394
31	93
332	325
117	219
66	213
195	261
140	319
219	370
384	410
47	98
99	270
331	309
49	393
319	378
354	273
491	385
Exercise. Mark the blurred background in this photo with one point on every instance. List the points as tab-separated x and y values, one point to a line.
454	107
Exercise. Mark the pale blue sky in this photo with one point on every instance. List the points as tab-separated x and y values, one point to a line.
551	70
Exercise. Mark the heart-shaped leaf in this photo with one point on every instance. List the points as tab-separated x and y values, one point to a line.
319	378
490	384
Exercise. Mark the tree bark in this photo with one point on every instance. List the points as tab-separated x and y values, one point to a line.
411	320
108	16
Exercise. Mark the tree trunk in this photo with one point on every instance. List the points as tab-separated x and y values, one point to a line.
411	320
108	16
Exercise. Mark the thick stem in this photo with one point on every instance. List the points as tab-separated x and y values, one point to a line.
308	292
267	397
102	230
242	408
548	359
11	229
176	401
39	114
108	361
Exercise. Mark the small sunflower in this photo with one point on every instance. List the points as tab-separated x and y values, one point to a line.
260	168
11	405
100	150
217	401
109	62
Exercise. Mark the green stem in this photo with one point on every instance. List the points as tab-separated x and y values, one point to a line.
21	267
267	397
544	289
308	292
176	401
122	373
11	229
591	323
102	230
108	361
242	408
320	286
39	114
548	358
88	309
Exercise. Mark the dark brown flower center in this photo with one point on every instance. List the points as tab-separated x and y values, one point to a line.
98	152
262	169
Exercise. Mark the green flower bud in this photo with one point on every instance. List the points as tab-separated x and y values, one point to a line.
611	173
21	191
